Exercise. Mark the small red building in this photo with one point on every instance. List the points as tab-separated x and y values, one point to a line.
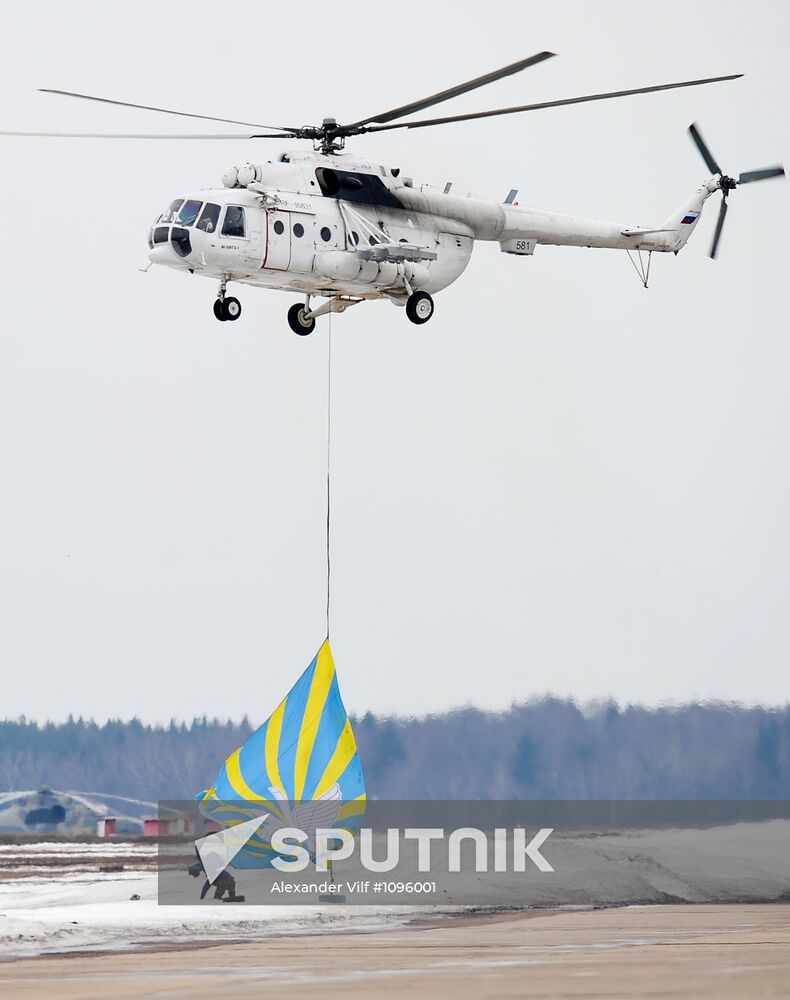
156	827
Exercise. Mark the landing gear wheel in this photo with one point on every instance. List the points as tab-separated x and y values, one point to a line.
419	307
231	308
298	322
218	310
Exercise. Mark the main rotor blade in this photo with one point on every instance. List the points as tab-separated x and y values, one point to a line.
761	175
701	145
719	225
137	135
549	104
462	88
164	111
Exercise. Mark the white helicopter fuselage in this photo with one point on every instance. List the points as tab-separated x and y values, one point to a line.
344	228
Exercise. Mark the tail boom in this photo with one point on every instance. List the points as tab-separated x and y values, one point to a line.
492	221
567	230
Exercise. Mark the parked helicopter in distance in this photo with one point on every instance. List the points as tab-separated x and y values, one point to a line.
327	225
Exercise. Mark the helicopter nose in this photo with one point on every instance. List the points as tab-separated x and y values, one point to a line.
169	245
164	253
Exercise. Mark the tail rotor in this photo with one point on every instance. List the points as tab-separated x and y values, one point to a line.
719	225
726	183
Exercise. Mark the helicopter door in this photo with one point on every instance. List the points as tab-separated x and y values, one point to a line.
278	241
302	242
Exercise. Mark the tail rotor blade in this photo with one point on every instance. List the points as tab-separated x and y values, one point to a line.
761	175
719	224
706	154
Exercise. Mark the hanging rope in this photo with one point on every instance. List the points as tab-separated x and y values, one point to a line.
328	462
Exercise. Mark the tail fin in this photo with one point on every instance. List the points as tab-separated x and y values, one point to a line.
683	221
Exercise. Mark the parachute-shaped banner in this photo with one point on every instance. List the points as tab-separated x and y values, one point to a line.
301	767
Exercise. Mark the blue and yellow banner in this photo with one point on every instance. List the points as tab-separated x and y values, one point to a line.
302	761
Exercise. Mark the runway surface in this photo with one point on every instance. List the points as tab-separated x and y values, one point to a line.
731	951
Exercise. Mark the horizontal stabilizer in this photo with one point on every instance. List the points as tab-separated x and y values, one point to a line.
645	232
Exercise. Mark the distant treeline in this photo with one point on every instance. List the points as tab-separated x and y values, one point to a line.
544	749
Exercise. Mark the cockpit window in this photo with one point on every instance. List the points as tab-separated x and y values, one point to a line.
189	212
169	214
208	220
234	221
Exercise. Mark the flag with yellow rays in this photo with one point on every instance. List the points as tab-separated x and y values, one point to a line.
301	767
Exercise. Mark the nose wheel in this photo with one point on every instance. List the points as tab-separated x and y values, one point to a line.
227	308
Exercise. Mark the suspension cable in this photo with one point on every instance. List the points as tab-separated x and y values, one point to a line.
328	464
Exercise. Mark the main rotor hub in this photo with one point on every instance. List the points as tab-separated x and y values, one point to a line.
329	137
727	184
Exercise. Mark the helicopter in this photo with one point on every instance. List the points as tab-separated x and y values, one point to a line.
328	225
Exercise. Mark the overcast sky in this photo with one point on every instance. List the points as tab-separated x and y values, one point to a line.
562	483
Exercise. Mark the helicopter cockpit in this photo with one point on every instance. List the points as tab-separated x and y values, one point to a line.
184	214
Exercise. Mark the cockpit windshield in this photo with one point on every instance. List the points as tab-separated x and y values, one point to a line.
189	212
169	214
185	212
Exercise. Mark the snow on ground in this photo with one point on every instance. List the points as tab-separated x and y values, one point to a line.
27	858
66	849
92	911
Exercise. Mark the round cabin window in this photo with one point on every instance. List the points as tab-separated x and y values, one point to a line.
326	234
354	237
298	230
279	228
